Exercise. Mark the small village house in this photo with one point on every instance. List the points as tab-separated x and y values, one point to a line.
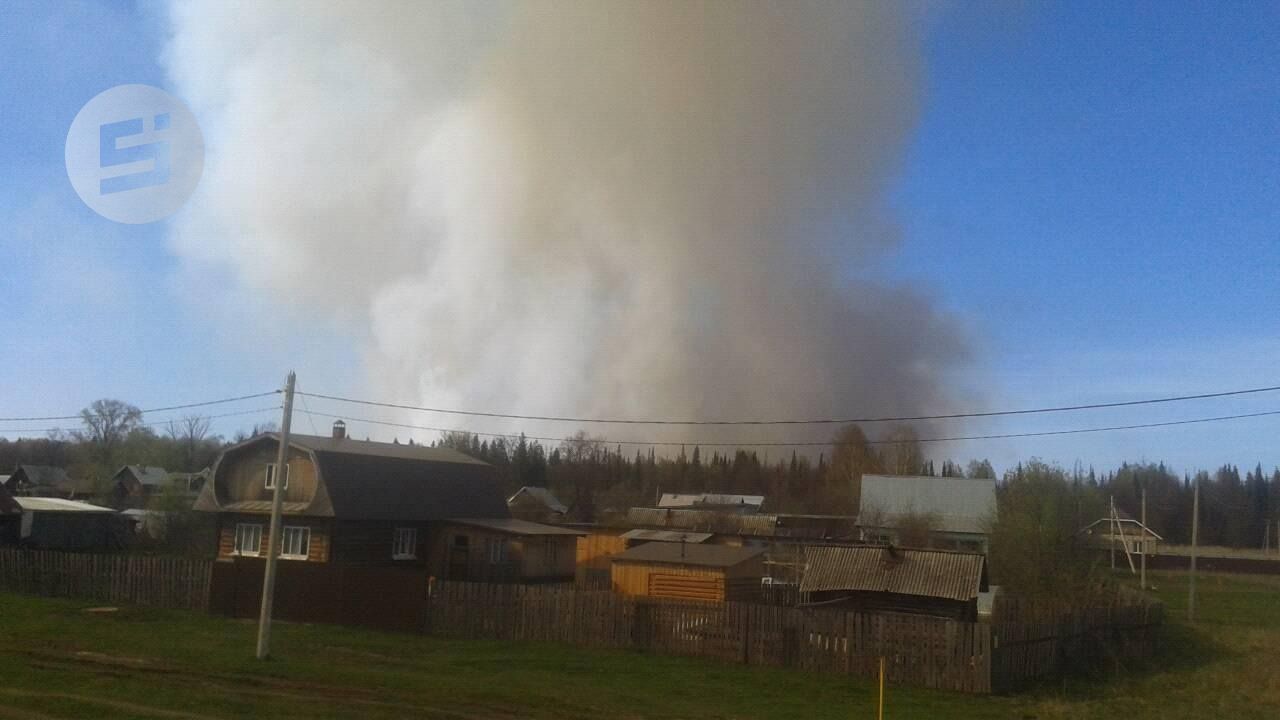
133	485
957	511
683	571
505	550
536	504
345	500
359	502
938	583
48	481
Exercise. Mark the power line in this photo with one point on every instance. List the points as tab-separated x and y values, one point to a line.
818	421
160	409
9	431
671	443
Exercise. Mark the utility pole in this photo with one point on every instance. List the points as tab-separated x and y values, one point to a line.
1142	583
273	537
1113	533
1195	538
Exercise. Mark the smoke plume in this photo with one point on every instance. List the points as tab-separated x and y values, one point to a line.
611	208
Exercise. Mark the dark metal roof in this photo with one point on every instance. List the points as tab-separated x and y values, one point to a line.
926	573
349	446
512	526
362	480
668	553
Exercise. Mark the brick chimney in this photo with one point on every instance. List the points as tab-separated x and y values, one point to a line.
339	430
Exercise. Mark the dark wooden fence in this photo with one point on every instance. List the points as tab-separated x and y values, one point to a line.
919	651
374	596
178	583
1034	639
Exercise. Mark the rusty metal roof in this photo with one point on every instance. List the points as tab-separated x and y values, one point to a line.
927	573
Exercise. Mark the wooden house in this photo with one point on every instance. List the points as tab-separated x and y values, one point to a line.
133	485
873	578
504	550
47	481
536	504
683	571
346	500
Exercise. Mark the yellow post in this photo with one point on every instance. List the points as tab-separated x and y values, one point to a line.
880	714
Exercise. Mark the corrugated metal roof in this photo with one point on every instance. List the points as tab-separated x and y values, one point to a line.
927	573
686	554
511	526
704	521
47	504
689	500
262	506
666	536
963	505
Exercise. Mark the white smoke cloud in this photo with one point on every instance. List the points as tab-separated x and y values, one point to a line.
621	208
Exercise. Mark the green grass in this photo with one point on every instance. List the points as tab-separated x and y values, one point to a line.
56	660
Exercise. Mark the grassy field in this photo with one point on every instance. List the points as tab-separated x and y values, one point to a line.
59	661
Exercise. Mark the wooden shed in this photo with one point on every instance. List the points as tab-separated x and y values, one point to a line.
870	578
504	550
684	571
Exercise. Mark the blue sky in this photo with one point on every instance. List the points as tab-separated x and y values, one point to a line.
1090	192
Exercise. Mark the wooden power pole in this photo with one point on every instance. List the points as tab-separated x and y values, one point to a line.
1142	582
273	538
1195	538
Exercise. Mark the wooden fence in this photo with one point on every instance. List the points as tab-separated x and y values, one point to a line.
919	651
177	583
1034	639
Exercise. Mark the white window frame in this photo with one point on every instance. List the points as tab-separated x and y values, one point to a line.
242	532
298	531
496	550
269	476
404	545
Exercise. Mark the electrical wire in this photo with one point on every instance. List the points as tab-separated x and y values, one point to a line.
152	410
8	431
818	421
669	443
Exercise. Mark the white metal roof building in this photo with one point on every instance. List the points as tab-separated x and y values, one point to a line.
961	509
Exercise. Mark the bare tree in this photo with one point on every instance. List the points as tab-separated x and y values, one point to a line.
851	458
189	434
107	423
901	454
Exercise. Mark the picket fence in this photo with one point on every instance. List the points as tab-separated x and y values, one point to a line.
918	651
1025	640
177	583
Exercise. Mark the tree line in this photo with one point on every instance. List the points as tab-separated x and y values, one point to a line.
590	475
